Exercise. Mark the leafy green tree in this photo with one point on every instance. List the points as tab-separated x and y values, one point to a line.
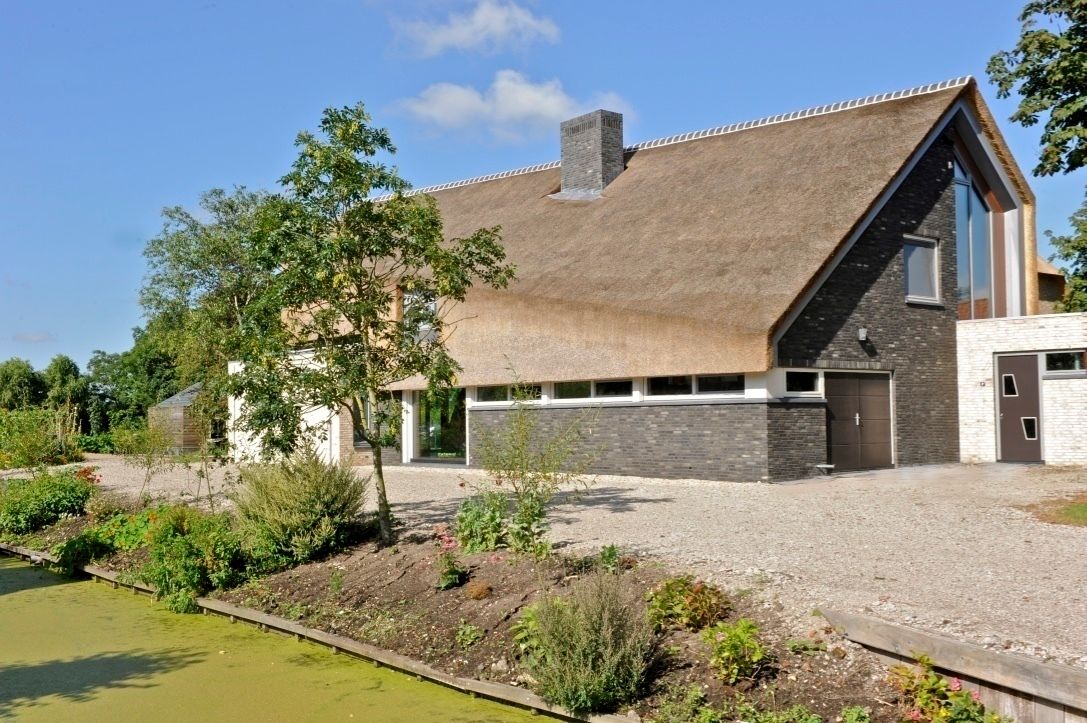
355	293
125	384
1048	70
20	385
201	276
1072	250
67	387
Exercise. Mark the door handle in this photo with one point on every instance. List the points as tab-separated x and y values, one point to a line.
857	419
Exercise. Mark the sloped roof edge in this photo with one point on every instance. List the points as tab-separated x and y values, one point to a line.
710	132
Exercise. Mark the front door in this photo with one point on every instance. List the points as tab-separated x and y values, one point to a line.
1019	408
858	420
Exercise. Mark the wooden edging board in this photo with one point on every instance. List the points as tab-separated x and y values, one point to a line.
500	692
1051	681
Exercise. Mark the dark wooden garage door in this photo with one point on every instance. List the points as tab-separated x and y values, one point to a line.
858	420
1020	408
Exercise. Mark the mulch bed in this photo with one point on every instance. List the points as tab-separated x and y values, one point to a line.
388	597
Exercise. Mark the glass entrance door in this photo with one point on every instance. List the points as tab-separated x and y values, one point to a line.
440	432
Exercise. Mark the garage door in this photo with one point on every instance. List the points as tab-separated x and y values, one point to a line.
858	420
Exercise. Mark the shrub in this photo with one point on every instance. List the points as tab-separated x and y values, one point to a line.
609	559
101	443
932	697
83	548
533	466
450	573
128	532
481	522
855	714
688	704
593	648
29	505
192	552
301	508
468	635
146	448
28	438
105	505
736	650
687	603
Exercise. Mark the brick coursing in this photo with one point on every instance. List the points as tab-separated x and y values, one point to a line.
916	341
700	441
796	440
362	455
592	150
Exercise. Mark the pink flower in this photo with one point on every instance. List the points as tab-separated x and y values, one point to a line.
914	715
975	696
955	685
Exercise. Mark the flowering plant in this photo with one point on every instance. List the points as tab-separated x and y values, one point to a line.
932	697
450	572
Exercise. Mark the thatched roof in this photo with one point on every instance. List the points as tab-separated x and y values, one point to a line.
692	255
1048	269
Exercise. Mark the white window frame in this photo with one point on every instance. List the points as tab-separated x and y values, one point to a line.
937	264
1061	373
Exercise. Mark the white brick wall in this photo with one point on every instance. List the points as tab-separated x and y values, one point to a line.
1064	401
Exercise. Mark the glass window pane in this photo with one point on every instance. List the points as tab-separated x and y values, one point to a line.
441	424
573	390
527	391
493	394
920	270
980	257
613	388
669	385
1065	361
717	383
962	248
1010	389
1030	427
801	381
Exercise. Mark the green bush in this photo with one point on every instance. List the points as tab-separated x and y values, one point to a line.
688	704
101	443
687	603
28	438
481	522
932	697
301	508
85	547
594	647
27	505
743	711
855	714
192	553
736	650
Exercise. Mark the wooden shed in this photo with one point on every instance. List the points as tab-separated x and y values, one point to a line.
175	415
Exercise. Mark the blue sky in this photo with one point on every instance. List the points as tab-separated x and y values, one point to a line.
111	111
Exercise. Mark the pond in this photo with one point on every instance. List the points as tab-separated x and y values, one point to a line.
78	650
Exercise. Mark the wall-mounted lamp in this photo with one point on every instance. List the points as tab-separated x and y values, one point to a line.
862	334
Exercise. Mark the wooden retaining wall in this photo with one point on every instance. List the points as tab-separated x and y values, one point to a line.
1022	688
500	692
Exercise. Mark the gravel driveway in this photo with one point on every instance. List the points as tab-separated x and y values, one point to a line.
947	548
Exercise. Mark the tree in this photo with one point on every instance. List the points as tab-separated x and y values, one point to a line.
356	292
201	277
20	385
1072	249
1048	69
125	384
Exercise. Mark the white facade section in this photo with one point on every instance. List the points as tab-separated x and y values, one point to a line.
1063	396
321	424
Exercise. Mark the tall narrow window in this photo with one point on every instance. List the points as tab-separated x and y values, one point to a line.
922	269
973	249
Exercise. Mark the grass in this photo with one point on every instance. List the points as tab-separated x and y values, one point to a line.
1067	511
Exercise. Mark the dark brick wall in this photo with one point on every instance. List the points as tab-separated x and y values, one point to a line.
917	342
796	440
592	150
701	441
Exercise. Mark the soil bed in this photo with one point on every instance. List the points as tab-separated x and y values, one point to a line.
387	597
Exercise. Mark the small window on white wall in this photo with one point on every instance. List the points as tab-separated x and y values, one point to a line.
922	263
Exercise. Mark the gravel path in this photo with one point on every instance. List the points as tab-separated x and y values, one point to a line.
947	548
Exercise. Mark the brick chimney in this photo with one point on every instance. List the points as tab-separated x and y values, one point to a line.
592	153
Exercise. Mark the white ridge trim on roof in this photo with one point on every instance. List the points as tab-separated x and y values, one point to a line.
717	131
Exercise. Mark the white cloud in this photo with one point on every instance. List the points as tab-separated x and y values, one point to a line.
32	337
512	108
491	26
